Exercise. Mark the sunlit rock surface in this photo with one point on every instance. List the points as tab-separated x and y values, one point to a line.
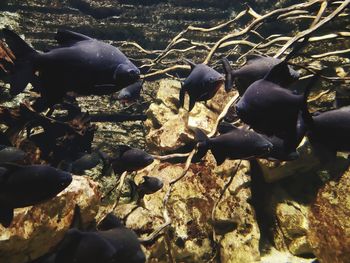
168	125
292	227
329	233
307	161
37	229
190	208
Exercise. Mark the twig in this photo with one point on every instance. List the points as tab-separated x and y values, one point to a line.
313	28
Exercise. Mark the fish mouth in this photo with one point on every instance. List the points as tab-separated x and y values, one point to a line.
66	180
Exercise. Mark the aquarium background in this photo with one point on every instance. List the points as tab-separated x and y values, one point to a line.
240	211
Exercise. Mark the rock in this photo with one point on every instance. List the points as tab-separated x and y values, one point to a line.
329	233
275	256
167	125
190	208
307	161
37	229
292	228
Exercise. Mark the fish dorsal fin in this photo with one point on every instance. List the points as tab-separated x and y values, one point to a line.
192	64
146	178
278	73
225	127
251	57
68	38
123	148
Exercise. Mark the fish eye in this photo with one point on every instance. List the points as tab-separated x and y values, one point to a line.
133	72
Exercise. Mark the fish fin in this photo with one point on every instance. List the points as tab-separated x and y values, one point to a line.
6	216
17	45
203	143
123	148
219	156
182	96
77	221
192	64
65	165
228	74
133	189
192	103
23	71
306	116
292	156
298	46
110	221
225	127
251	57
278	73
68	38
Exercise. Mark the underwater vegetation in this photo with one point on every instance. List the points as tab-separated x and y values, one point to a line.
174	131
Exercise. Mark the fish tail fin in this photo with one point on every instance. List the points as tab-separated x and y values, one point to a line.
6	216
23	71
203	143
229	76
182	96
306	115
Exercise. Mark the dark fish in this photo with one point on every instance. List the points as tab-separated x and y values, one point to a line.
223	226
201	85
10	154
331	129
130	159
269	108
235	144
150	185
256	68
22	186
131	92
284	150
281	149
81	64
115	243
86	162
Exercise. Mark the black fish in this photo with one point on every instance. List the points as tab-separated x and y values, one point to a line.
150	185
131	92
22	186
269	108
81	64
331	129
235	144
87	161
256	68
10	154
284	150
130	159
201	85
115	243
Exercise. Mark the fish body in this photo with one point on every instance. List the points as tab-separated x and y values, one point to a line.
81	64
150	185
22	186
130	159
114	243
271	109
235	144
86	162
332	129
131	92
201	85
256	68
9	154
